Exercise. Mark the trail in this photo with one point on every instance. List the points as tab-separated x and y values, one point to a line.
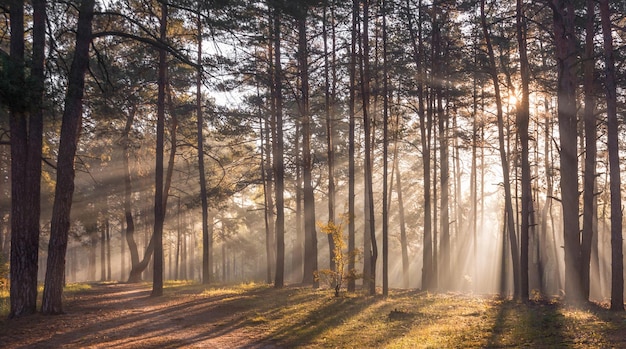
125	316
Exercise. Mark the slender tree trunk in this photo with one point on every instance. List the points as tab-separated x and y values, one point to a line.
103	259
278	166
52	302
566	53
351	146
206	243
370	248
617	259
418	53
329	108
385	155
310	241
510	224
160	194
589	179
268	174
523	116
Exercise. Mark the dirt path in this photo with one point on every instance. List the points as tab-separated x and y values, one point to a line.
124	316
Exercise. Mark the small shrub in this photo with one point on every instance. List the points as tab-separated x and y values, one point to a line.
4	273
338	277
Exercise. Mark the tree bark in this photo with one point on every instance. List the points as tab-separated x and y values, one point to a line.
617	258
385	250
370	246
159	193
329	108
523	116
310	241
589	179
566	52
278	151
52	302
206	242
26	123
351	145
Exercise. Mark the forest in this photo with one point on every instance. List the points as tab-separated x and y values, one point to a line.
367	147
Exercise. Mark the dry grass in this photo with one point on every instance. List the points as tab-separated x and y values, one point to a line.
301	317
297	317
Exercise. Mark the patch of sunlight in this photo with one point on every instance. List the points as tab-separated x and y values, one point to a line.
579	315
177	283
76	287
218	292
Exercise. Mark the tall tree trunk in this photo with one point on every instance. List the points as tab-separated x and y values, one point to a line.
566	52
270	132
442	123
523	116
159	193
370	246
418	54
329	108
385	155
278	166
26	150
206	242
510	223
589	179
617	259
310	241
52	302
351	146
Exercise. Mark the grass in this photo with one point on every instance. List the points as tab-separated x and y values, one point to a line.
298	317
302	317
5	305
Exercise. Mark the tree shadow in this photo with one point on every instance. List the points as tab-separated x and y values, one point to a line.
530	324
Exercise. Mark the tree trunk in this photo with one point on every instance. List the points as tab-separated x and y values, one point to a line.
351	146
510	223
370	247
26	123
206	243
385	155
566	53
310	241
70	130
617	259
329	108
523	116
589	118
278	166
418	53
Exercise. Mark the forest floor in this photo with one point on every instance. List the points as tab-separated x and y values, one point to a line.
117	315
